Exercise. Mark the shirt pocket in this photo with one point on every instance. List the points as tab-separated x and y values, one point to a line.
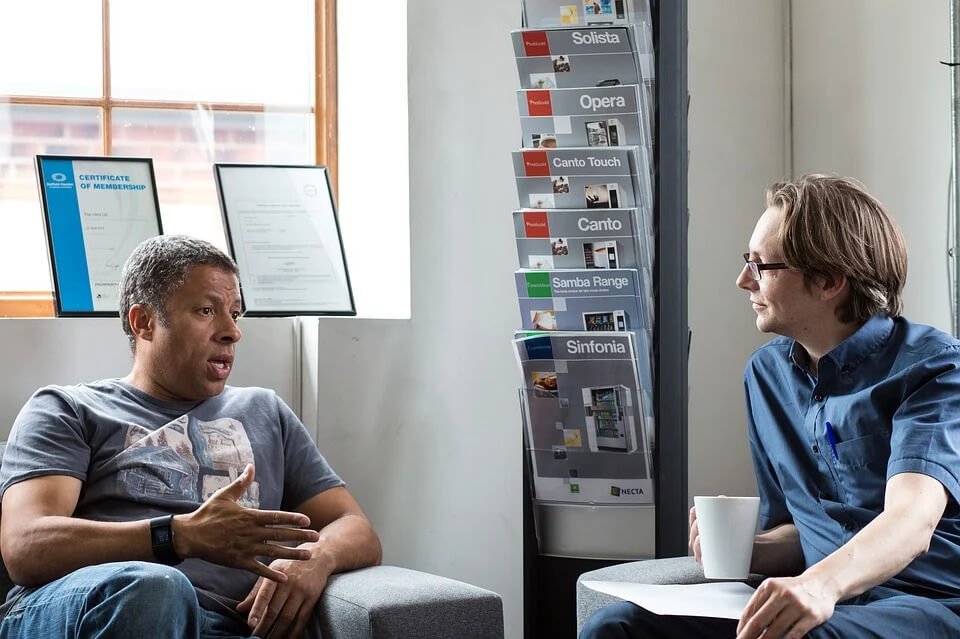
862	467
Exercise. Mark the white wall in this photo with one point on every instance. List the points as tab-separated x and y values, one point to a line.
736	136
372	154
420	416
869	100
872	101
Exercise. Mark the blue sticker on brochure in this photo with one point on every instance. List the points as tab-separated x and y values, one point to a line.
539	347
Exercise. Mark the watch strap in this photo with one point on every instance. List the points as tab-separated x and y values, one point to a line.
161	538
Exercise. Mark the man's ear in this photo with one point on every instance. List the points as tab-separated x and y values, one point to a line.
832	286
142	322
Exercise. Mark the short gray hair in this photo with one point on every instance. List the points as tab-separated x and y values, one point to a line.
158	267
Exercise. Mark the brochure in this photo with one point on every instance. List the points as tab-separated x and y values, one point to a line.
581	56
556	13
584	417
588	56
578	239
583	177
591	300
582	300
587	116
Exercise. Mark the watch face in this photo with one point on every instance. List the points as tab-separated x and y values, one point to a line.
161	537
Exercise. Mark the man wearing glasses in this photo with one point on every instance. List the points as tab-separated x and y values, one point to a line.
854	426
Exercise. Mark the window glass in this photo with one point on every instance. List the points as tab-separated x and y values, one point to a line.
26	131
221	53
51	47
246	51
185	144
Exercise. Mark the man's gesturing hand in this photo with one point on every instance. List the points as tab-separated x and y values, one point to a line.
788	607
223	532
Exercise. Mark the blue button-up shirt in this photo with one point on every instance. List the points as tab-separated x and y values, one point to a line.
891	394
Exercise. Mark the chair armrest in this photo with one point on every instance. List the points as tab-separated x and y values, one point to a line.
387	602
675	570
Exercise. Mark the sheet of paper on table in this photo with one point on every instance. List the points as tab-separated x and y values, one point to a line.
723	599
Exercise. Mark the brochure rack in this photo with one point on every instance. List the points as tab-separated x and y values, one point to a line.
601	177
586	124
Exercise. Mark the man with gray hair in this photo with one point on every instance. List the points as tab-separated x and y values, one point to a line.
105	486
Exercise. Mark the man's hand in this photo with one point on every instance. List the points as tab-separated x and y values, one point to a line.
787	607
277	611
223	532
347	541
695	536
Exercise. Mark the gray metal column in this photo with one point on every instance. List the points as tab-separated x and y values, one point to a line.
954	256
672	328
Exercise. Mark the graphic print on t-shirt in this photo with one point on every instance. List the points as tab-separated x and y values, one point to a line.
185	459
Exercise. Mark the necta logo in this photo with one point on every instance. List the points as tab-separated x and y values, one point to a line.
616	491
535	43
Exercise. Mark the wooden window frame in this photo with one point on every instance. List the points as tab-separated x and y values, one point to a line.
41	303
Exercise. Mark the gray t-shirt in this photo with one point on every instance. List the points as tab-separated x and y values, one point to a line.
141	457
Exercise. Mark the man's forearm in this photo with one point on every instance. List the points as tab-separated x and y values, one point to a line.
777	552
878	552
347	543
913	506
54	546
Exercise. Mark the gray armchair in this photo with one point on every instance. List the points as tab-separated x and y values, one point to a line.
387	602
676	570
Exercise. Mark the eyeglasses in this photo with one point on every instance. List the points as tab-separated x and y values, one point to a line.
757	268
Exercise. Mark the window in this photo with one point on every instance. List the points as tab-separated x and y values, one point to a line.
186	83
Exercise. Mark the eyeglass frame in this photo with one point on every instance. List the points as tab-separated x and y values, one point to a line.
757	268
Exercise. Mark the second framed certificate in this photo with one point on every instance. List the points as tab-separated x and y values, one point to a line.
282	228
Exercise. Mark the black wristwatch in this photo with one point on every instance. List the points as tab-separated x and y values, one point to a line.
161	536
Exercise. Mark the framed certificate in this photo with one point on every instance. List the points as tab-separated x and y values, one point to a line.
95	212
282	228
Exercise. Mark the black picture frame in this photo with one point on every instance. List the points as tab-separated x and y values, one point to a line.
60	180
344	304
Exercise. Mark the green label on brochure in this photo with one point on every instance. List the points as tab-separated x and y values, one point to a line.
538	285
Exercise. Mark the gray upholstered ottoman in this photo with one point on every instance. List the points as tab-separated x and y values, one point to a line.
387	602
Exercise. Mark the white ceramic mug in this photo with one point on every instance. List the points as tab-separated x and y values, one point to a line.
727	526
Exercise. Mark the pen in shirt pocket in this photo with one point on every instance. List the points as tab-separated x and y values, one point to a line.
832	440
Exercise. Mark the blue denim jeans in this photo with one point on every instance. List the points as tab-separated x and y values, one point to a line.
117	600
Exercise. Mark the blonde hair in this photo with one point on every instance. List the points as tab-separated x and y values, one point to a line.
833	227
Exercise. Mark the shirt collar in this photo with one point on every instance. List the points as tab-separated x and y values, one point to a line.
846	355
